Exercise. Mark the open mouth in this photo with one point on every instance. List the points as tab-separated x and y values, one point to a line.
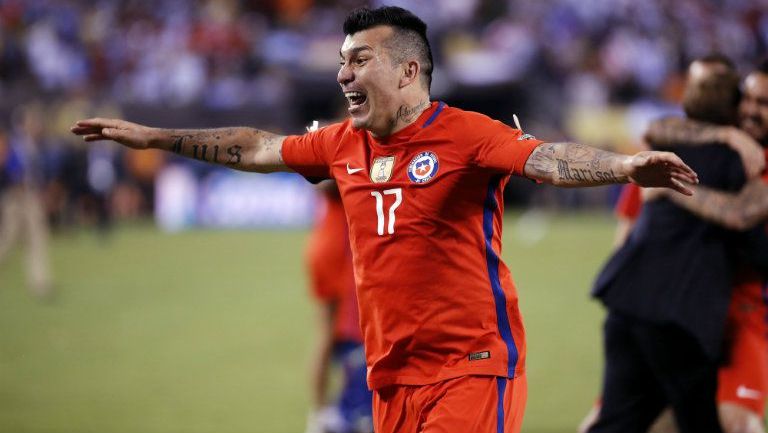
355	99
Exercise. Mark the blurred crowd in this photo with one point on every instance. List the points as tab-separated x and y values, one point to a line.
589	70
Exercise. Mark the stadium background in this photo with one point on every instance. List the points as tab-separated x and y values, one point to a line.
203	329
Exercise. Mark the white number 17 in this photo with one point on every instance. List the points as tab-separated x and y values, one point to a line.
398	193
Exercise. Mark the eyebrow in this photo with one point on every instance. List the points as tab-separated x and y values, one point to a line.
356	50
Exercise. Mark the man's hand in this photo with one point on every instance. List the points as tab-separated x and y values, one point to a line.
682	132
574	165
126	133
751	153
659	169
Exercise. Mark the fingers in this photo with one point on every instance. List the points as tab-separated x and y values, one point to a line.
679	166
98	122
94	137
665	169
105	127
95	134
84	130
681	178
94	131
685	176
680	187
673	165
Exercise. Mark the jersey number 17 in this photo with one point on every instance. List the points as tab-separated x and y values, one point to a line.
398	193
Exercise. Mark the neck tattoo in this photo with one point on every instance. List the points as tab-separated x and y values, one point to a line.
408	114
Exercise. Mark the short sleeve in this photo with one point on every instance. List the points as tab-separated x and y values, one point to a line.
311	155
630	202
500	147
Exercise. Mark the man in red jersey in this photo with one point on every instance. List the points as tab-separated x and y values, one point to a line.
422	186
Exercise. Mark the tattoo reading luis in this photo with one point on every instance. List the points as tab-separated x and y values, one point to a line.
200	151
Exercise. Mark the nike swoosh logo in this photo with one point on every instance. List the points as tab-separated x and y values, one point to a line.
352	170
744	392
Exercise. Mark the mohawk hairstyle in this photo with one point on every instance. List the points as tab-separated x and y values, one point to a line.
409	39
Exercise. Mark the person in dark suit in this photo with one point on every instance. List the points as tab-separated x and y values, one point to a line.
667	289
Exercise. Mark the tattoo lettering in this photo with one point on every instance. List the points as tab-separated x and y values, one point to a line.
563	170
239	148
178	143
203	156
235	155
408	114
200	152
607	176
572	164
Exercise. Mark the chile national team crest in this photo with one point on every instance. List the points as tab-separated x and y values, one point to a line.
423	167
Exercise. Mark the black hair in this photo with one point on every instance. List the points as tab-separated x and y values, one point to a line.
409	39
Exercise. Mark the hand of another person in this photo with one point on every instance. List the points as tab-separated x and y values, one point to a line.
126	133
660	169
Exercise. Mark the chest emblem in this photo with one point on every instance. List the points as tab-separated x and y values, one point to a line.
381	169
423	167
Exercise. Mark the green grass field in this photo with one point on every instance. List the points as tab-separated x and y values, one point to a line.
209	331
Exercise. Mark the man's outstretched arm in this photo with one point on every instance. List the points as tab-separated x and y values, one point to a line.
740	211
240	148
572	165
678	131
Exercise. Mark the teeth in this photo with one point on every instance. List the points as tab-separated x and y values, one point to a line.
353	94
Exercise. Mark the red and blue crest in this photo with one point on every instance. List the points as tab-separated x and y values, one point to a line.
423	167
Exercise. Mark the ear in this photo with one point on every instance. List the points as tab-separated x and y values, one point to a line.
410	73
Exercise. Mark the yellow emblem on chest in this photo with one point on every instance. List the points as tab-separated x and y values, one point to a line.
381	169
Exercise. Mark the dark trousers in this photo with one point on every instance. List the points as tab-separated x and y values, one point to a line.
649	367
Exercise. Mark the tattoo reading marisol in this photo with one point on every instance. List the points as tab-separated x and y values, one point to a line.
565	172
572	164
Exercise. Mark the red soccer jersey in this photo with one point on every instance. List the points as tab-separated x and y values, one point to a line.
424	209
630	202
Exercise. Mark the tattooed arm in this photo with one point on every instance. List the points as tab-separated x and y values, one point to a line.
678	131
740	211
571	165
245	149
